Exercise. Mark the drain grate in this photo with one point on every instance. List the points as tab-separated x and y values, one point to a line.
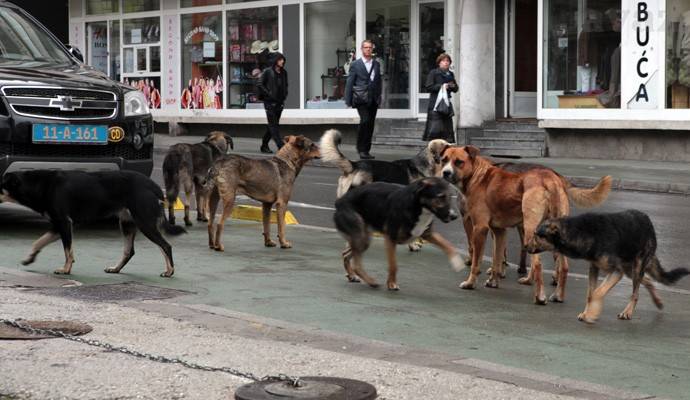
73	328
114	292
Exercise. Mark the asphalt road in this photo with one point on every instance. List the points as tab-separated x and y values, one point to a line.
430	315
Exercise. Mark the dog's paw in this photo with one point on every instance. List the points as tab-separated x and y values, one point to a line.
467	285
522	270
457	264
554	280
540	300
28	261
555	298
625	315
111	270
525	281
269	243
353	279
167	274
584	317
187	222
219	247
414	246
286	245
61	271
374	285
491	283
393	286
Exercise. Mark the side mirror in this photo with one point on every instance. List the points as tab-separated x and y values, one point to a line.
75	52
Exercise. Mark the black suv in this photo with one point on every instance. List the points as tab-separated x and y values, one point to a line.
57	113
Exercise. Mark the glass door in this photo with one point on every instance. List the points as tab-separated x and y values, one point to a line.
97	45
431	44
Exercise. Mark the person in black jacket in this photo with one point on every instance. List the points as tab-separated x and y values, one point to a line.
363	91
273	89
439	126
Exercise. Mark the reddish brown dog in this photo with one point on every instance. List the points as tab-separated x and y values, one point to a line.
497	199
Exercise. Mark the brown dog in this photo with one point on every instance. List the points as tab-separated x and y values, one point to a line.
269	181
187	165
497	199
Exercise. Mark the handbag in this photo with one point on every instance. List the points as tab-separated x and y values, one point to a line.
436	128
443	105
360	95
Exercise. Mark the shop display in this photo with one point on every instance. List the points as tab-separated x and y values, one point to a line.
202	65
149	86
252	38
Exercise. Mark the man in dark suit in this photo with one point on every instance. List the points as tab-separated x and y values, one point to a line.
273	90
363	91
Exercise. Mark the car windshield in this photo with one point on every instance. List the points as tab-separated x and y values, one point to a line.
23	41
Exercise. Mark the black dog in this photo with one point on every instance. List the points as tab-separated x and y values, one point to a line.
401	214
617	243
65	197
187	165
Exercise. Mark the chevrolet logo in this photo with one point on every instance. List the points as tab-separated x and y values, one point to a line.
65	103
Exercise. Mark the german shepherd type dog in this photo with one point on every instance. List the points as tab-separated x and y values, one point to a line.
498	199
357	173
67	197
401	214
269	181
187	165
615	243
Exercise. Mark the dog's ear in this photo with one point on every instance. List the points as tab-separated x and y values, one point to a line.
438	147
422	185
300	141
228	140
549	229
287	139
472	151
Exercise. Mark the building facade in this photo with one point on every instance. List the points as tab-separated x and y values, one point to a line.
598	78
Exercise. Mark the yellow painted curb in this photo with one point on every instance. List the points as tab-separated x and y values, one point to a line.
254	213
178	205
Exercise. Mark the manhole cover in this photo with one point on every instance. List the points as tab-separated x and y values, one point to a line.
73	328
312	388
114	292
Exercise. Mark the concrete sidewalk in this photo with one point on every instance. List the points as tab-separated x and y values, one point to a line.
651	176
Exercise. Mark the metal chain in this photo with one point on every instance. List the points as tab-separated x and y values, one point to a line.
293	380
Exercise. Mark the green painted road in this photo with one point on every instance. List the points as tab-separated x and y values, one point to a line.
306	285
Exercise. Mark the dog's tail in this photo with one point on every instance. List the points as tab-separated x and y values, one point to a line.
169	228
657	273
172	163
588	198
330	152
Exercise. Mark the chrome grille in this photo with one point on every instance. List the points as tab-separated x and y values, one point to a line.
61	103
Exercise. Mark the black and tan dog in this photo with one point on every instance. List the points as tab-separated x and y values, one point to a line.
67	197
357	173
401	214
615	243
187	165
269	181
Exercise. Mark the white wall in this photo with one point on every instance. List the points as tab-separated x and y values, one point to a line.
475	65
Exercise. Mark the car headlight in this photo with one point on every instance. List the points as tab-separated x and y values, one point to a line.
135	104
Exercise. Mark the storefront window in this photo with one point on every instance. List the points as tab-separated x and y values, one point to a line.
115	50
582	54
142	31
199	3
95	7
388	27
677	54
97	45
141	5
202	61
252	38
328	56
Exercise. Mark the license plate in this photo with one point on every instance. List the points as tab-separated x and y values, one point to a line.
72	134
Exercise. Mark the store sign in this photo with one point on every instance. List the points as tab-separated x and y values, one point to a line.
201	29
642	34
98	48
171	78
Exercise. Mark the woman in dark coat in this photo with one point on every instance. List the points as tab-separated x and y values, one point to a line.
439	126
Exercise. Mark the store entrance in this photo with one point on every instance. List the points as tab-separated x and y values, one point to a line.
523	59
431	43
